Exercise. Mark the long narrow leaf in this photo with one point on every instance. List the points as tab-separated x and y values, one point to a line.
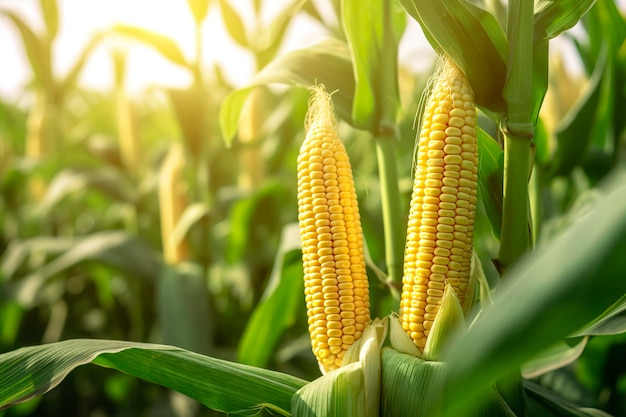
199	9
473	38
166	46
50	16
553	17
218	384
574	132
491	166
234	24
544	403
36	50
549	295
113	248
327	63
277	309
373	29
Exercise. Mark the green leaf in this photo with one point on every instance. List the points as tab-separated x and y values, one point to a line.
354	388
245	213
474	40
544	403
374	29
268	39
552	17
234	24
38	51
573	135
408	384
557	356
338	393
11	315
612	321
50	16
221	385
18	251
183	307
278	308
72	76
410	387
199	9
164	45
71	182
539	301
491	171
113	248
326	63
193	214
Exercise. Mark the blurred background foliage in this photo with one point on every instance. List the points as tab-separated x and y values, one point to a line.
126	216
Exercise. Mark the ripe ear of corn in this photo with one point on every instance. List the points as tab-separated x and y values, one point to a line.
172	203
443	204
336	286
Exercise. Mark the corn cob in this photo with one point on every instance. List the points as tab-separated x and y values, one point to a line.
172	203
443	204
336	286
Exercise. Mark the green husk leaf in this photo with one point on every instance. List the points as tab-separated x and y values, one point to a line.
338	393
449	321
401	341
477	277
409	385
412	387
354	388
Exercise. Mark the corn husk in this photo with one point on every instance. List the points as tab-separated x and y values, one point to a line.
415	387
448	322
354	388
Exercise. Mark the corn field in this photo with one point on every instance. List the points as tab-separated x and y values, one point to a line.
354	230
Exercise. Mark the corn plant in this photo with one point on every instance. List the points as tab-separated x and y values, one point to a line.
494	268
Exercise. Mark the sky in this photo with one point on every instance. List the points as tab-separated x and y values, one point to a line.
80	18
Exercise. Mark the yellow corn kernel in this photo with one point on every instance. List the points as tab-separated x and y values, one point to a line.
335	281
443	205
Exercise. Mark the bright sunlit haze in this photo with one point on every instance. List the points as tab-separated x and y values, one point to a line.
79	20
